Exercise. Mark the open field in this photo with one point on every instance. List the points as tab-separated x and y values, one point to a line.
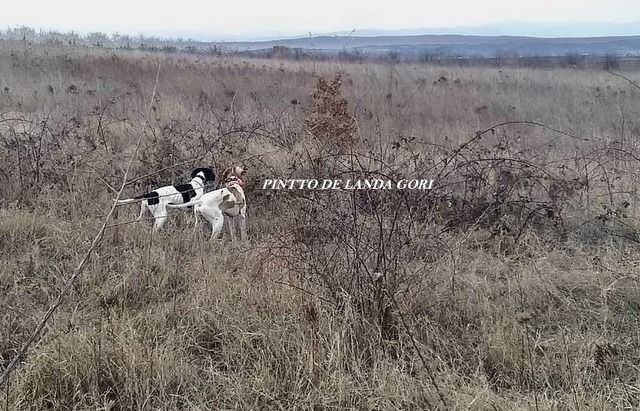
513	285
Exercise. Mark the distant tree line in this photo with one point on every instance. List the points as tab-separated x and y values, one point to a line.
113	41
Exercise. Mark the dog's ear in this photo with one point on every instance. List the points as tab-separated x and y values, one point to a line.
209	174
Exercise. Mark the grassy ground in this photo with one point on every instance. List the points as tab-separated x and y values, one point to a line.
513	285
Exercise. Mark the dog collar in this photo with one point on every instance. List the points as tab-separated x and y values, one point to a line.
201	178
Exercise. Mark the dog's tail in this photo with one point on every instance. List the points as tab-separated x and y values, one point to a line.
128	200
185	205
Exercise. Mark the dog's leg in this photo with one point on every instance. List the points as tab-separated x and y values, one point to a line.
242	223
196	209
143	209
230	225
217	222
160	214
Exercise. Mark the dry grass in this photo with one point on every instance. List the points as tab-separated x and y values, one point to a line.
513	285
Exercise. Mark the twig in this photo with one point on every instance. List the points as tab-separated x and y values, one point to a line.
306	292
415	346
532	388
166	168
135	221
569	368
633	83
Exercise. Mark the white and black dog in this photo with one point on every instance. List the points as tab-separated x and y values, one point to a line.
227	203
156	201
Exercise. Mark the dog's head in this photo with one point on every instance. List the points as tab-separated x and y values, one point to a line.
207	173
234	174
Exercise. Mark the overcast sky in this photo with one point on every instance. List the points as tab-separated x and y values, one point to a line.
219	20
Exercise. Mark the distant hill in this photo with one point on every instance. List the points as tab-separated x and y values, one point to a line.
510	28
452	45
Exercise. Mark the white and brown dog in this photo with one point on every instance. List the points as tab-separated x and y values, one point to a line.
157	201
229	202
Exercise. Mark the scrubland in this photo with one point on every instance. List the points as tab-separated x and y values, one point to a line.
512	285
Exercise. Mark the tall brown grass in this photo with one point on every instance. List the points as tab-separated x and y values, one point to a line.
511	285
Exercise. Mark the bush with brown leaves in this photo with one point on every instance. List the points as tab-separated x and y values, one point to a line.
329	119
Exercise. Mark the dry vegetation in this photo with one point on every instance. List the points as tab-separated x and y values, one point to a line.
512	285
